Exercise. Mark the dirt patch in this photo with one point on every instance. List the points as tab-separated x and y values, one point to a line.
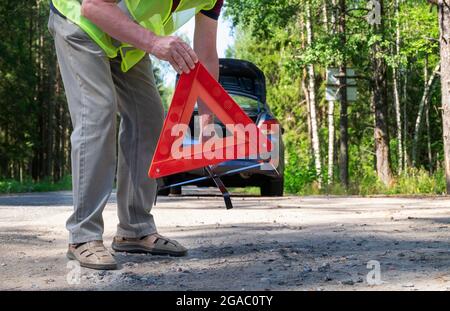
291	243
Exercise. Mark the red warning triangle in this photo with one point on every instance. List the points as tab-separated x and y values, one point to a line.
246	141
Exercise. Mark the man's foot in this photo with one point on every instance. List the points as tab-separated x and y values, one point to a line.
93	255
154	244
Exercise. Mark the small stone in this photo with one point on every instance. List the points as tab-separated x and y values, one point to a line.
307	269
90	276
3	264
401	255
348	282
328	278
408	285
49	281
325	267
179	270
103	273
360	280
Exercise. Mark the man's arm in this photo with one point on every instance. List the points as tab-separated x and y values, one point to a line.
205	45
108	17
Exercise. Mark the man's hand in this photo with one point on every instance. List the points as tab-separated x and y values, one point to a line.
174	50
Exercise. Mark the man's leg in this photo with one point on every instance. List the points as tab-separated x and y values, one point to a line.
91	96
142	115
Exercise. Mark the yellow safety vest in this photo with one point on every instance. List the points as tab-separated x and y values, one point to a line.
154	15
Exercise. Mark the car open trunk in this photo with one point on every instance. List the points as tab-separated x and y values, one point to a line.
240	76
245	83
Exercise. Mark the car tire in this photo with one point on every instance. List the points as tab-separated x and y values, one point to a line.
175	190
170	191
272	188
164	192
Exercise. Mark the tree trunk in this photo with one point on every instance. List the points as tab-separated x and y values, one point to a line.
312	102
308	105
343	117
397	92
427	123
444	21
423	103
331	129
303	81
405	120
381	133
330	141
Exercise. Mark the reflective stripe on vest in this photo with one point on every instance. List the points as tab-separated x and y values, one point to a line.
153	15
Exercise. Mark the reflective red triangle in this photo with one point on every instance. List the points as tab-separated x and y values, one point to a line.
200	84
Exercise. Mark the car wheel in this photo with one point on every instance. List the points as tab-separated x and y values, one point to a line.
164	192
175	190
272	188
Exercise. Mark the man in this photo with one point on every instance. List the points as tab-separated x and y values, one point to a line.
102	48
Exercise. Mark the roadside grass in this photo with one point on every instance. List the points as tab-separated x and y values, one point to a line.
412	182
245	190
14	186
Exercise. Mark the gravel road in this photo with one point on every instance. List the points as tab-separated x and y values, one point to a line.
290	243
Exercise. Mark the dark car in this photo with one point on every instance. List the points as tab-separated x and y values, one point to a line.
246	84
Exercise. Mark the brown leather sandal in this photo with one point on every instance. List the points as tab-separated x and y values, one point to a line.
154	244
93	255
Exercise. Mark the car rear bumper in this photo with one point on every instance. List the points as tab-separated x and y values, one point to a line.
224	167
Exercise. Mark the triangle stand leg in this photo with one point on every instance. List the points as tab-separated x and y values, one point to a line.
215	177
221	186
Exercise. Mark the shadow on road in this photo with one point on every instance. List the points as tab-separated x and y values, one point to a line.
278	257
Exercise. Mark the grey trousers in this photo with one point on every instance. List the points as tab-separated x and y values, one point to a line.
97	90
